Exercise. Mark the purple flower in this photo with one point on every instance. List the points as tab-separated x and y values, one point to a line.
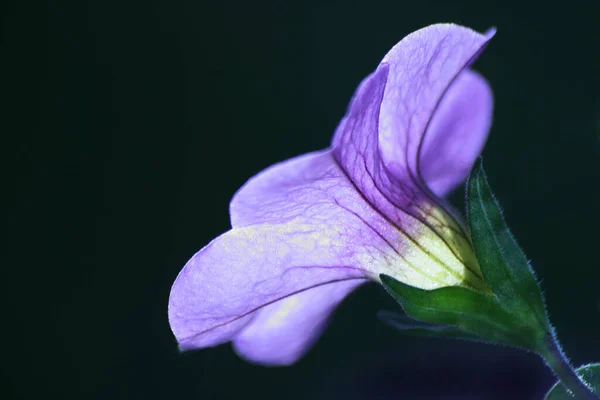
307	231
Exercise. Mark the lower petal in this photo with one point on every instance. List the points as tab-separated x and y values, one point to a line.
244	270
282	332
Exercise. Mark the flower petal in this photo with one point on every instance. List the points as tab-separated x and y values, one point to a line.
282	332
217	292
457	133
421	68
355	148
305	186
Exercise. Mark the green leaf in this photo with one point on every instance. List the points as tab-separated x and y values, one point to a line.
470	311
504	266
590	374
415	327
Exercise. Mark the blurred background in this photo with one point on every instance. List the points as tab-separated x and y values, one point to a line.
128	126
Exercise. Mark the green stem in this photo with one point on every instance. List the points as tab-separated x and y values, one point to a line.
558	363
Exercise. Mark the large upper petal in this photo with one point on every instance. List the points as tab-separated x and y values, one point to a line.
422	68
379	140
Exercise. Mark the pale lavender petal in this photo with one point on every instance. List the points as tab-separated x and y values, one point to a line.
305	186
378	141
217	292
421	68
282	332
457	133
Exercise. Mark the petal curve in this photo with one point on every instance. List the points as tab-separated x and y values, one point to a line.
305	186
457	133
283	332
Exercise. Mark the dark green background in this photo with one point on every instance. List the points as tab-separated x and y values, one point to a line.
127	127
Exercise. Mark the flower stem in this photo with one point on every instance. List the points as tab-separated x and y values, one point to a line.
560	366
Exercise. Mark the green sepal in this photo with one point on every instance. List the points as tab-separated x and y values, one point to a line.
590	374
503	265
413	327
472	312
